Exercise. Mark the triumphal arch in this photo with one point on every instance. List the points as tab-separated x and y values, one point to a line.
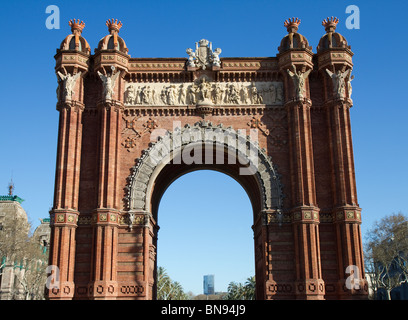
279	125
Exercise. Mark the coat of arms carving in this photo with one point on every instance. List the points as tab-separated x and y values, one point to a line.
203	56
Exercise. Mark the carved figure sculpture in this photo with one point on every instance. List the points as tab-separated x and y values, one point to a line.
203	56
68	83
204	90
216	58
233	95
108	84
147	95
218	91
299	80
171	95
279	92
130	95
182	95
256	98
272	94
191	57
349	88
339	82
191	93
244	94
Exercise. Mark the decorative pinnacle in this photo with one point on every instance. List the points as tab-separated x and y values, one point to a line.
113	25
11	188
292	25
330	24
76	26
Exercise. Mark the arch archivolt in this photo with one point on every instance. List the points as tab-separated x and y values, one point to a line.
207	143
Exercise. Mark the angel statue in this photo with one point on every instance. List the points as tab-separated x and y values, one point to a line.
339	82
299	80
108	84
68	83
349	88
216	58
191	57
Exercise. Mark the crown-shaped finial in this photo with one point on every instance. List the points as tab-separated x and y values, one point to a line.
76	25
113	25
292	25
203	42
330	24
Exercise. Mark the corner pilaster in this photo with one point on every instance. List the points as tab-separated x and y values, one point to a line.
103	284
335	65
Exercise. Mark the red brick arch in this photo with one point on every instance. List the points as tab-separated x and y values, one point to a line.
107	190
266	178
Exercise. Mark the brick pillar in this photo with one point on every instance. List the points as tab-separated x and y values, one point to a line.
148	229
62	252
334	62
309	283
262	275
64	215
295	60
110	116
104	258
347	214
68	155
103	282
149	256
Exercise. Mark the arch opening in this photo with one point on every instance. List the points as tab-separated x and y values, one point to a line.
158	168
205	228
234	154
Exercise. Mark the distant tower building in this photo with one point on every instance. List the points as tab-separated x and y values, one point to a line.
42	234
12	215
209	284
14	221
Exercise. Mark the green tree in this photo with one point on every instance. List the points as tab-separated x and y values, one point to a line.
386	253
22	253
168	289
239	291
250	285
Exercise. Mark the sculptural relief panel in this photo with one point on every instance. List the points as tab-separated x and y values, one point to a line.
191	93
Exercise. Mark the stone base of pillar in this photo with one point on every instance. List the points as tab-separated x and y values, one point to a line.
312	289
103	290
64	291
355	289
279	290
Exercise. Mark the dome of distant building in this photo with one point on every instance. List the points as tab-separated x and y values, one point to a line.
42	233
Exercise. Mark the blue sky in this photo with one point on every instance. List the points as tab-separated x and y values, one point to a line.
29	121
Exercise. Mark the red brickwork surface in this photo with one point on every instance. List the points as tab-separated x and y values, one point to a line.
107	189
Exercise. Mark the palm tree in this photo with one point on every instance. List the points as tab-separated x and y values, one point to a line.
168	289
163	284
235	291
238	291
250	288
